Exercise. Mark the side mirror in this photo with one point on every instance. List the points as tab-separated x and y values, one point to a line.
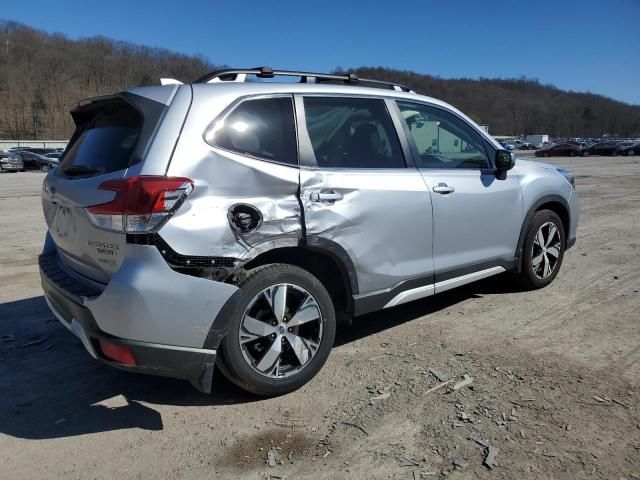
505	160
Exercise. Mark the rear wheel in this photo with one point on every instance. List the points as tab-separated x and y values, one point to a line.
543	250
631	153
282	332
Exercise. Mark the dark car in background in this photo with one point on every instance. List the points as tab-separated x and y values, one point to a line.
559	150
630	149
600	148
35	161
527	146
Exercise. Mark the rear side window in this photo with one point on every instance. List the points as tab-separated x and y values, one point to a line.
262	128
105	139
352	133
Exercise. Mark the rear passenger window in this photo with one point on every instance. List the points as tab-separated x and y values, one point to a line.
352	133
443	140
261	128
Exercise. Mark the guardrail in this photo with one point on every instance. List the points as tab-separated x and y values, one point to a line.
7	144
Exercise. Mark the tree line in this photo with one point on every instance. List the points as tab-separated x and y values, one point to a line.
523	106
42	76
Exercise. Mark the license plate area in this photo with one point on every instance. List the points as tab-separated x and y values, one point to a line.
64	224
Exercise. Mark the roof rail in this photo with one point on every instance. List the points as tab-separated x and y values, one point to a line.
240	75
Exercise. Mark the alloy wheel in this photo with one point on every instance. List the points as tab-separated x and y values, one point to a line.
281	330
545	253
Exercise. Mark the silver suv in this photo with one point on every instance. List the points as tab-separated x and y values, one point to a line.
232	223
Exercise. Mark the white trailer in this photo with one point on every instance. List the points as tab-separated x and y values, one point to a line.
537	140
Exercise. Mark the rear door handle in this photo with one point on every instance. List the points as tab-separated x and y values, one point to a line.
443	188
326	196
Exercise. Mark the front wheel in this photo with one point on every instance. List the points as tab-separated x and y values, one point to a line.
543	250
44	168
631	153
281	333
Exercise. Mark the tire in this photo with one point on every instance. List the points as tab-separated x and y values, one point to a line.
532	274
631	153
547	154
44	168
248	364
572	153
585	154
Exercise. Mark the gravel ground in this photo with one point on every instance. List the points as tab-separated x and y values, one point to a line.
555	388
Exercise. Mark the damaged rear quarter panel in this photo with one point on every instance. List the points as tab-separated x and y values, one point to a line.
223	179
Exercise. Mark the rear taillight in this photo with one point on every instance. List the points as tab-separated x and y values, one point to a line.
141	205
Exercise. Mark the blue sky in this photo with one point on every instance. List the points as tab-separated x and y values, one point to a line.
581	46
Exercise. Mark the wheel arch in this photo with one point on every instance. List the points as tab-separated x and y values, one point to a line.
324	259
556	204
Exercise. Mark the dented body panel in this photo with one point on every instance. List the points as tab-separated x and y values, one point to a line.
383	222
394	237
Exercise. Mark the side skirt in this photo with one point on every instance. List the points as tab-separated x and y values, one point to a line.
422	287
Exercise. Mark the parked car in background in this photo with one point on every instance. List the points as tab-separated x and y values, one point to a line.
11	163
559	150
507	146
528	146
35	161
54	155
600	148
629	149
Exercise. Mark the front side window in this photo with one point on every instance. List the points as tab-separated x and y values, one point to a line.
352	133
443	140
261	128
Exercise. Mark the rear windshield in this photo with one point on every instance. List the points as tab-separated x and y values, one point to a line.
105	138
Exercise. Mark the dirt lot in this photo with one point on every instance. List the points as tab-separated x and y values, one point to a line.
556	376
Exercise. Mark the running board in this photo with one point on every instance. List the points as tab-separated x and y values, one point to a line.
428	290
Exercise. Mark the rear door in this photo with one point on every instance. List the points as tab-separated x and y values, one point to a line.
111	139
476	217
358	192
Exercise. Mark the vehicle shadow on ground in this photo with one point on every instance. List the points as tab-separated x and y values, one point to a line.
385	319
51	388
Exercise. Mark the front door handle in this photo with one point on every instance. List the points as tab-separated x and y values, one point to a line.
443	188
326	196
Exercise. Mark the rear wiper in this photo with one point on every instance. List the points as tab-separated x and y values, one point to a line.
79	170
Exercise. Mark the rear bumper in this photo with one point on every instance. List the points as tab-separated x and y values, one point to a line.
12	167
68	299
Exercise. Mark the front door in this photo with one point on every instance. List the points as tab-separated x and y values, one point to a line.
359	194
476	217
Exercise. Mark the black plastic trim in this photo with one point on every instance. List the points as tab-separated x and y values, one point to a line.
176	259
336	251
374	301
507	264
